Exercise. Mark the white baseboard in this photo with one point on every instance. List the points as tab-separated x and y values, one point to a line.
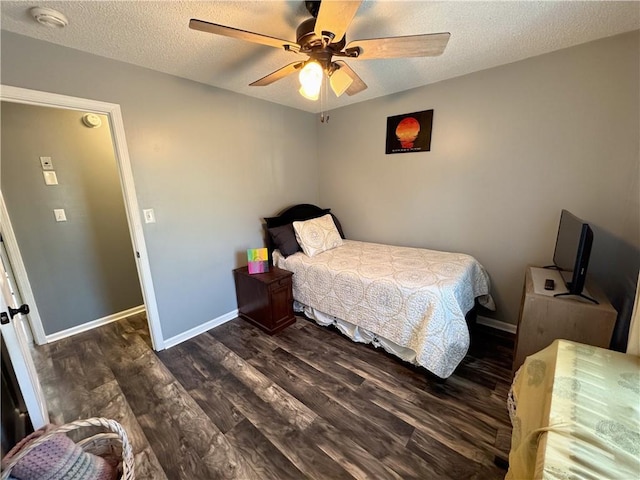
497	324
54	337
195	331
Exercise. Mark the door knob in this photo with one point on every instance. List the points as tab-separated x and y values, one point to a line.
23	309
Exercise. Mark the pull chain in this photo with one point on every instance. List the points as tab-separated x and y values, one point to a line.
324	118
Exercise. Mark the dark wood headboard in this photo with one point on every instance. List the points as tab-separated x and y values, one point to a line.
296	213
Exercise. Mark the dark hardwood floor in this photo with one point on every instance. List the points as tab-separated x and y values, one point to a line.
235	403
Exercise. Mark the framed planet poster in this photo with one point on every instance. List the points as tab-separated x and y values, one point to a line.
410	132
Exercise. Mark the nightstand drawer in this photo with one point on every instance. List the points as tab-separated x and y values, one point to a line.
265	299
282	283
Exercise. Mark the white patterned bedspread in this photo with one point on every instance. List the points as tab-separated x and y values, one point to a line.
416	298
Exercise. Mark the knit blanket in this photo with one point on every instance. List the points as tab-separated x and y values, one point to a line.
58	458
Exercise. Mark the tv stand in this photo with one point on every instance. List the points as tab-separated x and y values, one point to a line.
545	317
581	295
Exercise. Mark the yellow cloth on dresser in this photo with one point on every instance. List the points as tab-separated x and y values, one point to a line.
577	415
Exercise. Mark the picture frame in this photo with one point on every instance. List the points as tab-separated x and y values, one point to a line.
410	132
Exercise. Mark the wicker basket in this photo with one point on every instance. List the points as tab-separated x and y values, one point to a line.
114	442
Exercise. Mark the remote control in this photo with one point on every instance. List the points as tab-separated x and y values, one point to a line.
549	284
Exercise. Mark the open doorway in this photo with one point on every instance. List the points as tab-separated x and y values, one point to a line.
124	291
71	228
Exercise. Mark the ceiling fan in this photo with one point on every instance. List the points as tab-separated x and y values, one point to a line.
321	38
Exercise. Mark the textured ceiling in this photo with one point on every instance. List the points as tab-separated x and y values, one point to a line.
483	35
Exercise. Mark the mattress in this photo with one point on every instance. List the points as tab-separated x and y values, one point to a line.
415	298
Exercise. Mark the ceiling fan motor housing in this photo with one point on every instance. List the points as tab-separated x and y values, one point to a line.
309	40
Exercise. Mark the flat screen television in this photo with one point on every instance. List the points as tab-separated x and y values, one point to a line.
572	252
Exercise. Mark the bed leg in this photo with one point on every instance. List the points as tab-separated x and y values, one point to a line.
471	317
436	379
501	462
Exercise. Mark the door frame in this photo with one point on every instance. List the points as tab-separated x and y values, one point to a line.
113	113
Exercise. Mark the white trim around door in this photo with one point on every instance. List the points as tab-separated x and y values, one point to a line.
112	111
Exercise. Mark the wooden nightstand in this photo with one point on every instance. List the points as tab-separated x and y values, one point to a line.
265	299
544	318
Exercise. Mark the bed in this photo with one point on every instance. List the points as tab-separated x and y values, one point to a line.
411	302
575	411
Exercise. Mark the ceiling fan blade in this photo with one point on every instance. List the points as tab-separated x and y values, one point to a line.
357	85
203	26
335	16
429	45
278	74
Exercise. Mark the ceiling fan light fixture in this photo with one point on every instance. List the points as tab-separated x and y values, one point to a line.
340	81
311	80
309	95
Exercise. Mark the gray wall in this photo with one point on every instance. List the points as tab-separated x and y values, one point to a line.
82	269
210	162
511	147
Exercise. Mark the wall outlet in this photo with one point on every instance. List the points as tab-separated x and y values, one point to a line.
149	215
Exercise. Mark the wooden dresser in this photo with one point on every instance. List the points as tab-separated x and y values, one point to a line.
545	318
265	299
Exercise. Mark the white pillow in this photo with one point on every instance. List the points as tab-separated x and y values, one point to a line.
317	235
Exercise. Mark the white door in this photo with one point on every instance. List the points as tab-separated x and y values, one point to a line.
15	293
15	338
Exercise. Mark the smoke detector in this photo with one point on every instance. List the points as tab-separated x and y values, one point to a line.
91	120
49	17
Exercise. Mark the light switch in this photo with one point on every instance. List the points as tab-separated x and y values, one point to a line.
149	215
47	163
60	215
50	178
